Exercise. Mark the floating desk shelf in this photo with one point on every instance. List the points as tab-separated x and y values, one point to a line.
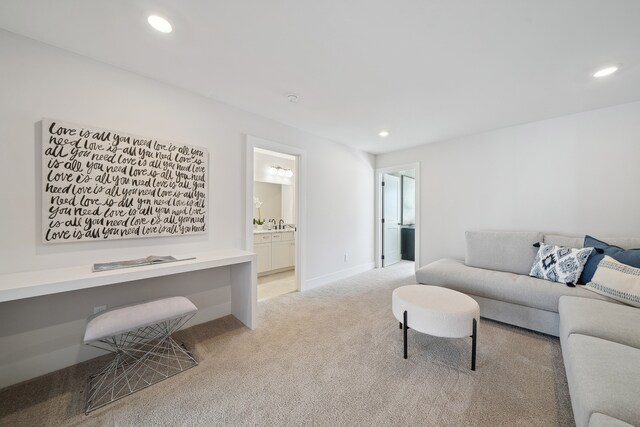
15	286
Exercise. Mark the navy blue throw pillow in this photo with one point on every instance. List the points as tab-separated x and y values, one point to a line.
626	256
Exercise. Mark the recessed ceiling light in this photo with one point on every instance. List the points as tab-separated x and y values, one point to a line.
159	23
384	133
605	71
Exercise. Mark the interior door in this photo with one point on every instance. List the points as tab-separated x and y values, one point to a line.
390	220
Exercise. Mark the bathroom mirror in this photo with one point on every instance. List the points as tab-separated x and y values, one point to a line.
277	201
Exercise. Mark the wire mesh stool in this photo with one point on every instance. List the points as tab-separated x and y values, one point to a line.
139	336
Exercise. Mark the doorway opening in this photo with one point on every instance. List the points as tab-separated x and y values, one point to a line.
274	216
397	215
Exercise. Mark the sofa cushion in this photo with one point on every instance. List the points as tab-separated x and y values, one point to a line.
566	241
603	377
623	242
626	256
502	250
601	319
578	242
499	285
601	420
559	263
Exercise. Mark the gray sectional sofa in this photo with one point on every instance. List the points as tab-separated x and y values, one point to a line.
600	338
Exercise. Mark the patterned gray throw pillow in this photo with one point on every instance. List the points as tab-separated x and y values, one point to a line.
559	264
616	280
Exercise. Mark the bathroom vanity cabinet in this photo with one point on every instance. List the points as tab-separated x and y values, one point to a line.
276	250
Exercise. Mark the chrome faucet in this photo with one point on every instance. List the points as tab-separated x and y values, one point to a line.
281	224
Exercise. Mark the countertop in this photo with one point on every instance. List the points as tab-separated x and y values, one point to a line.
275	230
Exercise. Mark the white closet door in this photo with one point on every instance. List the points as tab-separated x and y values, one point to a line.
391	217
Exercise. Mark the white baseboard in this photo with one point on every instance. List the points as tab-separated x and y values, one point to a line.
332	277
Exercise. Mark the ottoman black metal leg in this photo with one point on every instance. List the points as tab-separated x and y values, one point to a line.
400	327
474	338
405	333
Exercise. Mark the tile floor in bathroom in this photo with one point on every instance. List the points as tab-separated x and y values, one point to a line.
276	284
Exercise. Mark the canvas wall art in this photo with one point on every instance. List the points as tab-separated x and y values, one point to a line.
100	184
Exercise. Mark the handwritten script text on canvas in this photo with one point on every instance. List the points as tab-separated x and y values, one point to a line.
101	184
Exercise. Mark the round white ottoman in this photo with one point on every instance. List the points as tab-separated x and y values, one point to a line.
436	311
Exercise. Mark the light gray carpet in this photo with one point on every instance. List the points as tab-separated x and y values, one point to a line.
331	356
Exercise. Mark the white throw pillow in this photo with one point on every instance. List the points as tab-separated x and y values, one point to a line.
559	264
616	280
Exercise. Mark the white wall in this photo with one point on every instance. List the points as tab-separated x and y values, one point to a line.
40	81
573	175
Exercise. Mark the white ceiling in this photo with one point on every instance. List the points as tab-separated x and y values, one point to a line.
426	70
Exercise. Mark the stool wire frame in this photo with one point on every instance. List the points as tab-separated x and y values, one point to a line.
143	357
474	338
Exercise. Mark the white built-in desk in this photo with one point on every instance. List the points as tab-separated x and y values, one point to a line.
29	284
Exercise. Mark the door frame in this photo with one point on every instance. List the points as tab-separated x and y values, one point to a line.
300	198
378	210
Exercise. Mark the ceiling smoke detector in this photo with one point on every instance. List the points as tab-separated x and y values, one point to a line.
292	98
